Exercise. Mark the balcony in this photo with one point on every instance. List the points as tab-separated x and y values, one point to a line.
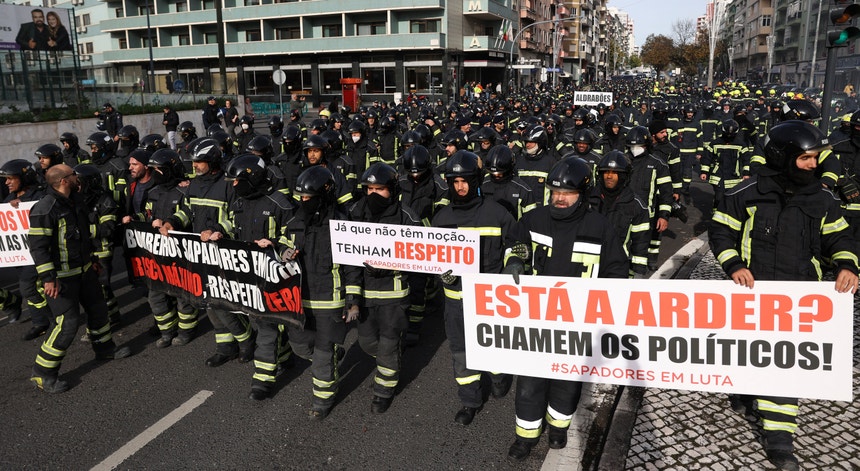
355	44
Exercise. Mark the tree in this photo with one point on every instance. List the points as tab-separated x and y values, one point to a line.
633	61
657	52
684	31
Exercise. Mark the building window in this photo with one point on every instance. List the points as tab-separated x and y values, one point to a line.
119	12
293	32
298	81
123	43
426	79
765	20
368	29
141	10
144	41
85	19
85	48
378	79
252	35
208	4
211	38
184	39
331	31
181	6
424	26
330	79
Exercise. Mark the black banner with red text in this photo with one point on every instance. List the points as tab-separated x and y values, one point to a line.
227	274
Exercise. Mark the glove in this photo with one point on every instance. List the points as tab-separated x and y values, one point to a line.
448	278
679	211
350	313
521	251
516	268
289	253
849	190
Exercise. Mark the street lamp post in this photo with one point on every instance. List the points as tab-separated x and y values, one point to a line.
712	39
151	87
731	52
517	36
770	43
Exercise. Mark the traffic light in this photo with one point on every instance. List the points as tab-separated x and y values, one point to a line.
843	15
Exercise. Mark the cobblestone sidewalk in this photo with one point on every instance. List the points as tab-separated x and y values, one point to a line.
684	430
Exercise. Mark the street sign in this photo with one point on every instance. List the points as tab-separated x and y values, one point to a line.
592	98
279	77
553	69
178	86
523	66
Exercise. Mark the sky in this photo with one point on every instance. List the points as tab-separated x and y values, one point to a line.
657	16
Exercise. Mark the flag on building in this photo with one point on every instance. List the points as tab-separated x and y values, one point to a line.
504	33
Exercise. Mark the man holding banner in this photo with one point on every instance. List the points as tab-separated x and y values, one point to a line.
323	295
796	224
204	210
567	238
385	294
23	184
259	215
469	210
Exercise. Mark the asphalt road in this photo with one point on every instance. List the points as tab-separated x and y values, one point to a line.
163	409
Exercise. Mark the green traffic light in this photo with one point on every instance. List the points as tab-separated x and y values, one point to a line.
840	38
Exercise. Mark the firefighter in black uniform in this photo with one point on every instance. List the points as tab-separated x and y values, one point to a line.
503	185
384	295
628	213
423	191
470	210
103	216
584	245
204	211
290	161
22	182
651	181
726	162
535	162
323	293
176	319
798	223
72	152
112	167
61	248
259	214
111	120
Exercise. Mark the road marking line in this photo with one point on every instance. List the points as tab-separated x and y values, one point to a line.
152	432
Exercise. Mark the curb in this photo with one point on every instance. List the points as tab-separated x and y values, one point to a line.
623	417
600	432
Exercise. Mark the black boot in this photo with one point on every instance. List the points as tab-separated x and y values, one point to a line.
783	459
219	358
557	438
519	450
466	415
380	404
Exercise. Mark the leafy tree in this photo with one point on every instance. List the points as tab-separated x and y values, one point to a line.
657	52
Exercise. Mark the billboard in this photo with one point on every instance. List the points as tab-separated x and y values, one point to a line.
34	28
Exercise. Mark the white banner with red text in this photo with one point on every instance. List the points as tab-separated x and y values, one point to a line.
417	249
14	243
781	338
